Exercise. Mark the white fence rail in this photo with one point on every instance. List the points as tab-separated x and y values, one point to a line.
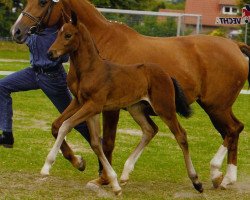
180	16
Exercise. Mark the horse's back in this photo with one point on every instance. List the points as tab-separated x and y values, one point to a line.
198	62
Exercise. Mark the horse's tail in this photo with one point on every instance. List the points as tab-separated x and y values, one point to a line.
182	106
246	50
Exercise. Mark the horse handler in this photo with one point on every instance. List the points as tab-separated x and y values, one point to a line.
44	74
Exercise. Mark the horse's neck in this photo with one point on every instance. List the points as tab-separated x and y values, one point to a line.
89	15
98	26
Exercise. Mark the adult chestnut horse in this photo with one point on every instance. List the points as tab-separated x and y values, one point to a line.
102	85
211	71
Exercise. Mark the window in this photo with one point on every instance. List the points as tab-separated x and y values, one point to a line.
230	10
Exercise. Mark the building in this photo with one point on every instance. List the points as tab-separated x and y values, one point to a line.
210	9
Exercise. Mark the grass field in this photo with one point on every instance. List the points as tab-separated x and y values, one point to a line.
159	174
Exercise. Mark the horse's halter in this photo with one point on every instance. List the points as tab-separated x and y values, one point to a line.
38	27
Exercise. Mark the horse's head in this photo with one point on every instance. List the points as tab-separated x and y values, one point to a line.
67	41
36	15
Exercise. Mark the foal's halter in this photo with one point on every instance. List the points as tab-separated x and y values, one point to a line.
39	21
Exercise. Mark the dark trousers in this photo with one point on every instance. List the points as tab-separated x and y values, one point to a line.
53	84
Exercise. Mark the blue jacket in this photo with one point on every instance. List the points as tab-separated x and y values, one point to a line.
39	45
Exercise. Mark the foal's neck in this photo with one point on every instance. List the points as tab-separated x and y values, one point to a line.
86	58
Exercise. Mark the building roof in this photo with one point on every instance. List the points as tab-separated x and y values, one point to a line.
209	9
228	2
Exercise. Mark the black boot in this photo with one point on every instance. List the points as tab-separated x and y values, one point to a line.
7	139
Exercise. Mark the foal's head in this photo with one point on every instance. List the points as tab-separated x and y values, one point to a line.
68	39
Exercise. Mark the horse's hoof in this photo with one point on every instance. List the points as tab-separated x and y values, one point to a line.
99	182
217	181
80	164
227	181
198	187
123	182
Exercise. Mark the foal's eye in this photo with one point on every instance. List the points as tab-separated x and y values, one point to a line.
68	36
43	2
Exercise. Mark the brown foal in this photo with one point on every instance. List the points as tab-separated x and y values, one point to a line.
100	85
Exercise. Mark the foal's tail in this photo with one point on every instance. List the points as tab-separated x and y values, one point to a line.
246	50
182	106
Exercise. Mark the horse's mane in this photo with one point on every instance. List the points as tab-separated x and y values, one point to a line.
119	25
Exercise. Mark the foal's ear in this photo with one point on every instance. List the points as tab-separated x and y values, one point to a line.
73	18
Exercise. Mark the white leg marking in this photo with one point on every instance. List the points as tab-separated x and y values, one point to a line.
129	165
54	151
231	175
217	161
190	167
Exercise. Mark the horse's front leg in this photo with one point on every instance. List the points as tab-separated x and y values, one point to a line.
110	175
77	161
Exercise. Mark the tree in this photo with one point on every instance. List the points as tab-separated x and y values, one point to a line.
146	25
152	27
9	10
121	4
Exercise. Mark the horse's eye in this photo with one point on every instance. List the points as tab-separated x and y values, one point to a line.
43	2
68	36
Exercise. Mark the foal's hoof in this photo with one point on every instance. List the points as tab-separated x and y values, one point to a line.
217	181
118	192
92	186
80	163
198	187
45	170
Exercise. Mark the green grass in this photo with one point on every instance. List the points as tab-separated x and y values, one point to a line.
159	173
11	50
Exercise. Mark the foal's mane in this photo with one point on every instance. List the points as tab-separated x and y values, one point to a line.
85	34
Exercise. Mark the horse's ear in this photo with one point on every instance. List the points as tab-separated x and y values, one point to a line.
73	18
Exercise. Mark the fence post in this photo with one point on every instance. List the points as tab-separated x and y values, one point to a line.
245	40
198	24
179	25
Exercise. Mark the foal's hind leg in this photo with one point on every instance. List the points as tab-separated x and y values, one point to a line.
229	127
149	130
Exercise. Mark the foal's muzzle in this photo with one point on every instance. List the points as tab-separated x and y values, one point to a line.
51	56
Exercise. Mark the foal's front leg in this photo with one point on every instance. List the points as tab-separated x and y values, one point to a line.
111	176
59	133
87	111
77	161
110	121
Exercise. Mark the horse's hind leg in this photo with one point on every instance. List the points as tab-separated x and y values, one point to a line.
180	136
229	127
149	130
